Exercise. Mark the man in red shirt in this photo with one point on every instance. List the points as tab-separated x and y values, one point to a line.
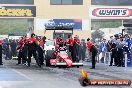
78	40
42	42
20	48
89	44
61	41
41	50
32	47
93	52
71	42
25	49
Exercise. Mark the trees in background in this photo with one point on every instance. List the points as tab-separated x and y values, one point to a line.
8	26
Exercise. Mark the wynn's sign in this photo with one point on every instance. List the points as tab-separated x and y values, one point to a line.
111	12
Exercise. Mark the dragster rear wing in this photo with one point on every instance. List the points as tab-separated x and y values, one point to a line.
68	28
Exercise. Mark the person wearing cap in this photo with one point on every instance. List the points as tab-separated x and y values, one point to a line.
32	47
93	50
1	42
89	44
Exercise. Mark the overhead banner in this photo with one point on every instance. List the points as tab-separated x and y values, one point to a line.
111	12
17	11
75	23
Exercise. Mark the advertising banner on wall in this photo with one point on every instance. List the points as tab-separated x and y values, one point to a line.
75	23
112	2
105	12
17	11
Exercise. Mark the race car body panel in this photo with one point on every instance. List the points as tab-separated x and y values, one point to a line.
64	60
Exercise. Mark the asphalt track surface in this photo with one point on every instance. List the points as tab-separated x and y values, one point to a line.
21	76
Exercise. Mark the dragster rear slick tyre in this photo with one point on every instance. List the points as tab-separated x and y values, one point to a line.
47	60
48	56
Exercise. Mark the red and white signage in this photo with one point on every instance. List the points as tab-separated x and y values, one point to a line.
110	12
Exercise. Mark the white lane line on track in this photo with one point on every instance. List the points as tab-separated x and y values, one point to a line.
21	74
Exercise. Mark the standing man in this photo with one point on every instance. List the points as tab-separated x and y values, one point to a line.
75	51
78	40
103	49
93	50
120	50
6	49
41	50
71	42
114	55
20	48
1	42
13	48
129	49
25	48
32	47
79	47
83	45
